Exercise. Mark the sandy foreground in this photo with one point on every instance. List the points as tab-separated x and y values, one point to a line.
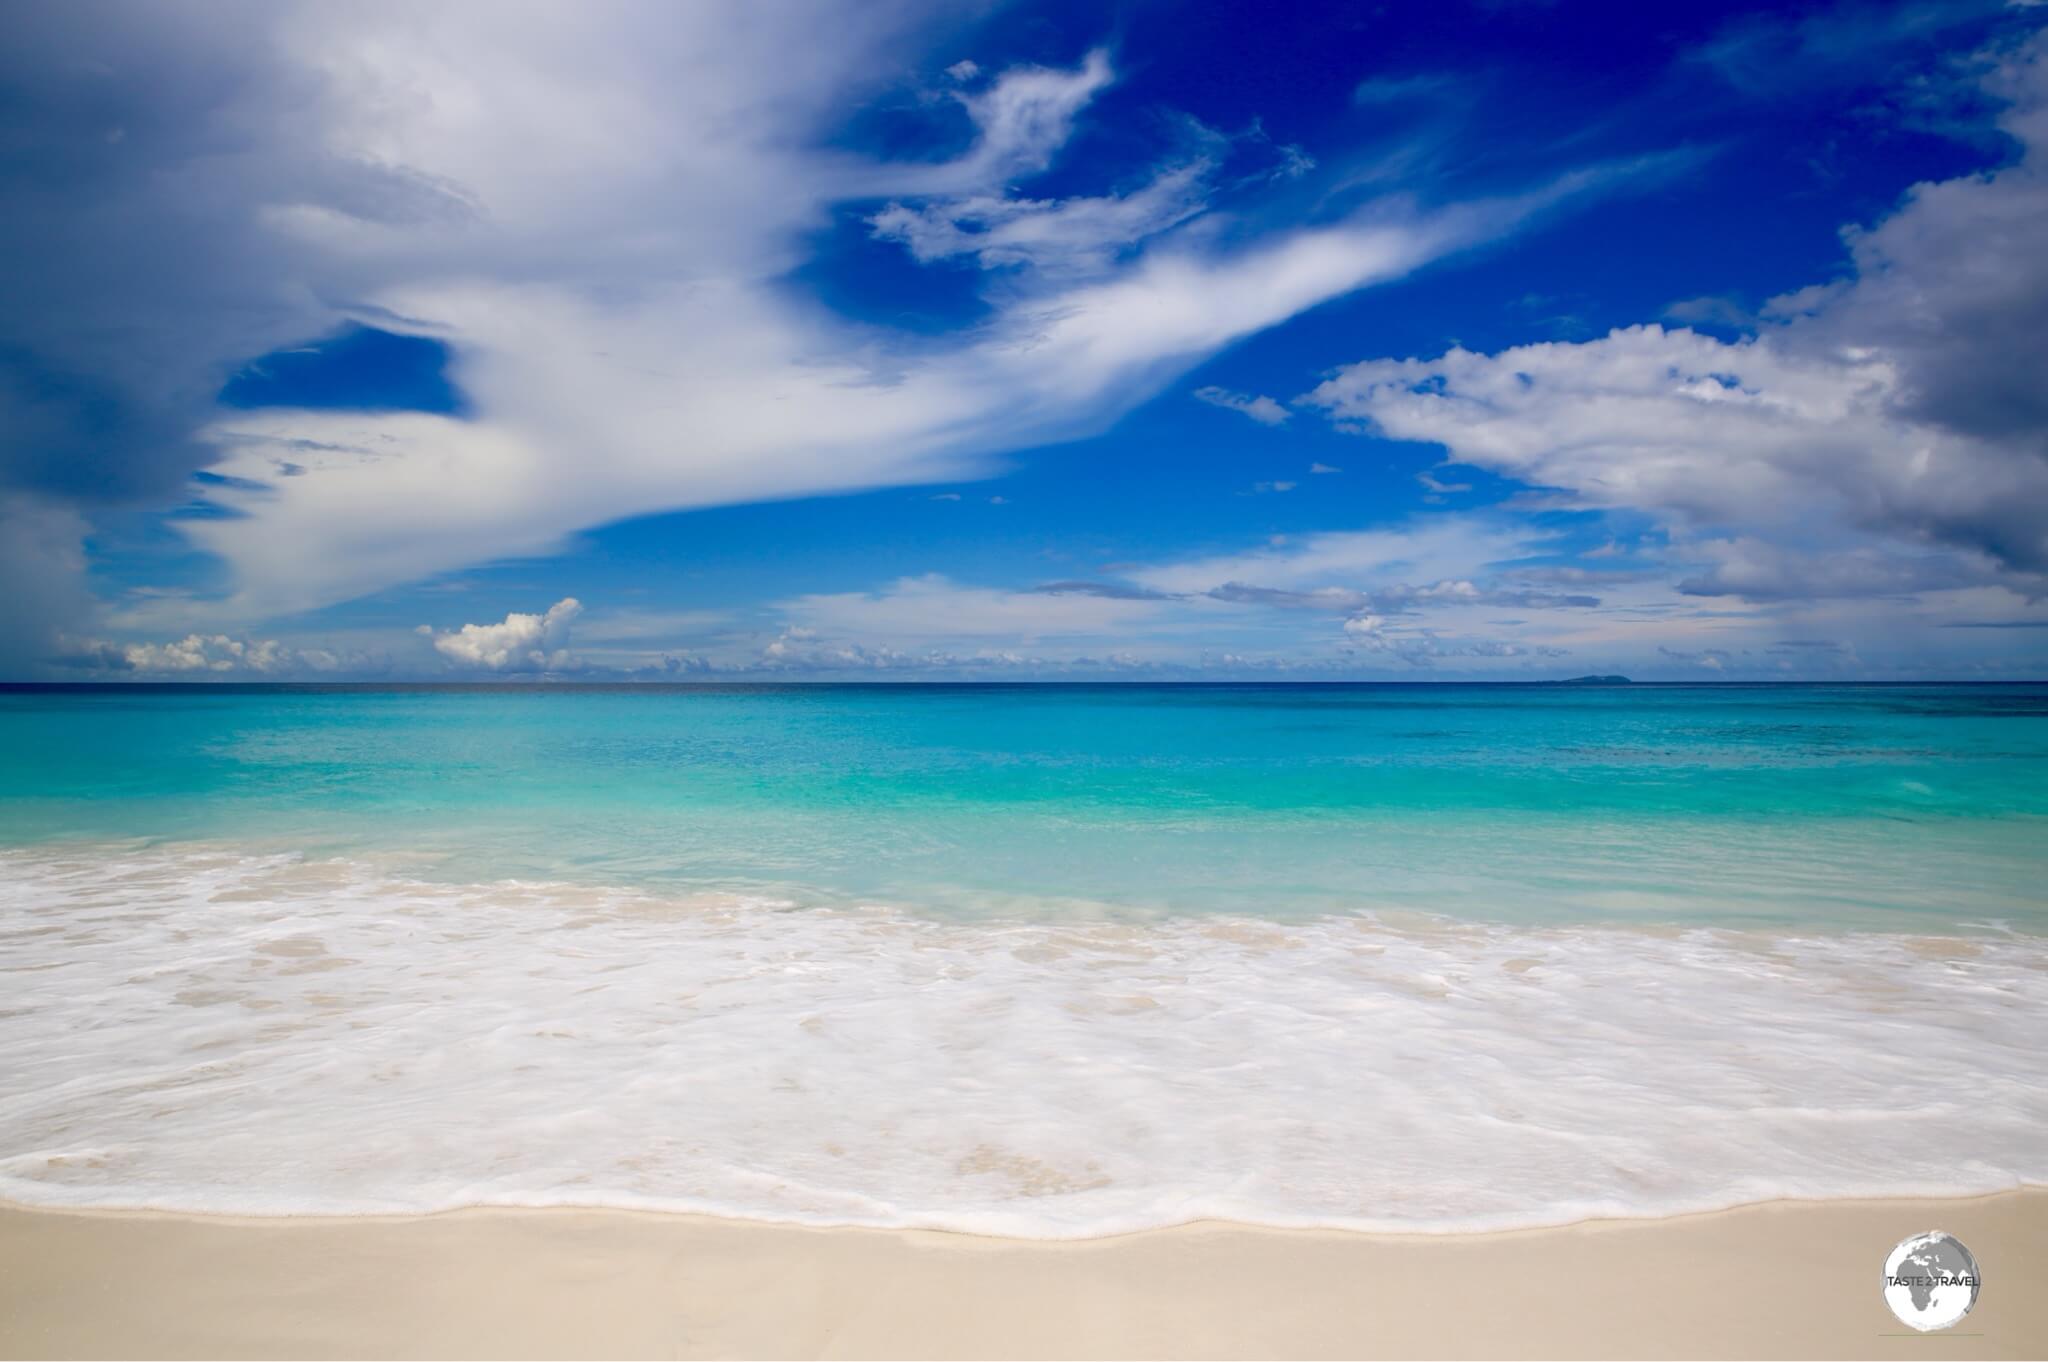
1787	1279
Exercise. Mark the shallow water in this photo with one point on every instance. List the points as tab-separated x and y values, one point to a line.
1031	961
1808	807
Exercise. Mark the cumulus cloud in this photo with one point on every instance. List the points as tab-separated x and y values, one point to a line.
218	653
1868	422
1262	409
212	657
519	642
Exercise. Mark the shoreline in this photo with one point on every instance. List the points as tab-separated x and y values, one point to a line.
1777	1278
1401	1231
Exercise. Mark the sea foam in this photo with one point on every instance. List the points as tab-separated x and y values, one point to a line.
206	1029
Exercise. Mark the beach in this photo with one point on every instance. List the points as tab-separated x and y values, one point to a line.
1783	1279
789	678
1239	1021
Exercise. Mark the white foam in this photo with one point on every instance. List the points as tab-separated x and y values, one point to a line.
215	1031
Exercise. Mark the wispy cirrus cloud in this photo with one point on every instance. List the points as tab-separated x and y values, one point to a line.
540	190
1259	408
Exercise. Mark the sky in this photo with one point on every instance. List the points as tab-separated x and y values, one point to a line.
1459	340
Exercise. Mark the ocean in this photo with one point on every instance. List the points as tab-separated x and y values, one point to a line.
1048	961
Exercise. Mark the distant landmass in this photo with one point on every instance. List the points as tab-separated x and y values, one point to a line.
1593	681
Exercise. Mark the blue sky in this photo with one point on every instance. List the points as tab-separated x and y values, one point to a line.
1501	340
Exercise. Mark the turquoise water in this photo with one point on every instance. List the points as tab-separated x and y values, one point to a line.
1858	807
1046	961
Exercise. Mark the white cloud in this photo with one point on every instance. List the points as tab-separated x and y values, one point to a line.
1262	409
218	653
1442	548
1873	418
926	611
1716	434
212	657
1071	236
648	627
1419	647
568	436
519	642
597	208
1024	117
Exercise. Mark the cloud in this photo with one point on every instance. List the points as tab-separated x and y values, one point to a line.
1760	571
1086	627
1709	311
644	627
1403	89
1115	591
517	643
1399	598
196	653
1953	287
213	657
42	563
1081	235
1024	117
931	610
1419	648
967	210
1264	410
1442	548
598	210
799	650
1823	48
1711	659
1901	407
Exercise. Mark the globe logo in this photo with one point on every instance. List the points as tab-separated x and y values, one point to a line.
1931	1281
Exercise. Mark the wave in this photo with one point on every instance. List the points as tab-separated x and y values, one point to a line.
206	1028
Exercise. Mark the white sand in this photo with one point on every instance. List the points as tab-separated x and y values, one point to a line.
1791	1279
